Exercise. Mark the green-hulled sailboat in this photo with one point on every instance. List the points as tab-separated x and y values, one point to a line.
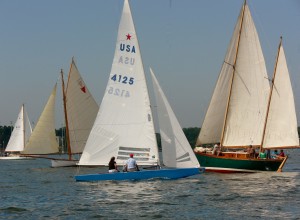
245	110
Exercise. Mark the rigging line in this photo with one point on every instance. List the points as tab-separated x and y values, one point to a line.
238	75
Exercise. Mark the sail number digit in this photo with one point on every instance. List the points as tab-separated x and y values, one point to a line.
122	79
118	92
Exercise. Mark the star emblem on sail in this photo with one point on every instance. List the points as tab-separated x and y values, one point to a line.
128	36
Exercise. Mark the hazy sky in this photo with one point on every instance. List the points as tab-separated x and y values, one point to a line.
184	41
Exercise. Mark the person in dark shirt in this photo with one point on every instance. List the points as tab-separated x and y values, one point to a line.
112	165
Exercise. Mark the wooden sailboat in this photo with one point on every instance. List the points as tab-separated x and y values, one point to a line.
19	137
80	110
239	115
125	125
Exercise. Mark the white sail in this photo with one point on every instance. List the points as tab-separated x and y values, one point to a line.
249	93
281	127
20	134
124	123
27	127
176	150
81	108
43	138
212	126
250	90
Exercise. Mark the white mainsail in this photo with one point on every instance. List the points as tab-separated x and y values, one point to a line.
248	91
176	150
281	128
43	138
81	109
124	123
20	134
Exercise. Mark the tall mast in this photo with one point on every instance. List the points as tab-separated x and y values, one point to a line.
270	96
66	115
152	121
233	73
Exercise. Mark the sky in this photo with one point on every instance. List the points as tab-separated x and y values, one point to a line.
183	41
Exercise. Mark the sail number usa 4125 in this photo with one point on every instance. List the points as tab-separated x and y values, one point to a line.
118	78
122	79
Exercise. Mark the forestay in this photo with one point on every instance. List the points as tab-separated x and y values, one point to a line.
176	150
124	123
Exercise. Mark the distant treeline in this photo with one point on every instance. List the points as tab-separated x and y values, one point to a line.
190	133
5	132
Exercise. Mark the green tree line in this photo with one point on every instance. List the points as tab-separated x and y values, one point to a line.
190	133
5	132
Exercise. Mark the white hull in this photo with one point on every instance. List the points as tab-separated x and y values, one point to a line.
63	163
15	158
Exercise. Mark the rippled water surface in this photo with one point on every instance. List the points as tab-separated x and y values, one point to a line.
30	189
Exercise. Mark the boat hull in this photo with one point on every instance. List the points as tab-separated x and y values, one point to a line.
213	163
142	175
63	163
15	158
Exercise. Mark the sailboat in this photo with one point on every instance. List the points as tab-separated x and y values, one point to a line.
42	141
19	136
242	112
80	110
125	125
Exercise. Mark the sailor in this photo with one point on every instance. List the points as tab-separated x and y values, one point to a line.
216	149
251	151
112	165
262	155
131	164
281	154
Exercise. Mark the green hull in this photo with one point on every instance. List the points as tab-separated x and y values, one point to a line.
221	164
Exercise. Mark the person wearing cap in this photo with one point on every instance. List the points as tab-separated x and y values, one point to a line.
131	164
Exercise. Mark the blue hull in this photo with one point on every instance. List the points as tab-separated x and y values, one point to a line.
141	175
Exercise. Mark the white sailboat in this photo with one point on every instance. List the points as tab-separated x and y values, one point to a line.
19	137
80	110
124	123
237	114
43	138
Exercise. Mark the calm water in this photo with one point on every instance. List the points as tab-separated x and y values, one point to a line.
30	189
